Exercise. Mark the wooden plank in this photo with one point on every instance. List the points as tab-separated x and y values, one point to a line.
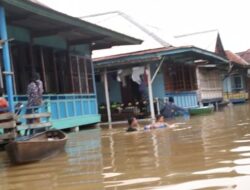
7	116
7	136
34	126
8	125
36	115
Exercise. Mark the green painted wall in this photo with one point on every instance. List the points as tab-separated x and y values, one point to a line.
23	35
18	33
81	49
51	41
76	121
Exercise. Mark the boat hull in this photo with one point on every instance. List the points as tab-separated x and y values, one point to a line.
201	110
35	149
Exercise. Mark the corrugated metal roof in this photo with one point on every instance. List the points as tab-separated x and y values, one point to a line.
141	52
205	40
188	53
117	22
233	57
245	55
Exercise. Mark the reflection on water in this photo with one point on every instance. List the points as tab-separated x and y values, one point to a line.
208	152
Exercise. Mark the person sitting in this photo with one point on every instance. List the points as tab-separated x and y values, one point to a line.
170	109
133	124
159	123
3	103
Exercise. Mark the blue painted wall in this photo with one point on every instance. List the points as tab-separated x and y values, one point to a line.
228	84
227	87
114	91
158	86
184	99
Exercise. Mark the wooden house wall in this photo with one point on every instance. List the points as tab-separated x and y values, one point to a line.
210	84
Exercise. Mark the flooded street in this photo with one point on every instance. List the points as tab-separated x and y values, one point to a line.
208	152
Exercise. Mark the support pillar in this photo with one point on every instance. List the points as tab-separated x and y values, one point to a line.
6	59
197	72
150	93
106	88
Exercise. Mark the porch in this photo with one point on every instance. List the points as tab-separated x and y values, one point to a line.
171	72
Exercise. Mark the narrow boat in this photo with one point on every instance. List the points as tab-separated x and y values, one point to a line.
36	147
201	110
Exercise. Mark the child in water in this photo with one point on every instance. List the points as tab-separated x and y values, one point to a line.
133	124
160	123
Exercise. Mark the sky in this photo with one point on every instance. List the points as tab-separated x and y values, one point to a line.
230	17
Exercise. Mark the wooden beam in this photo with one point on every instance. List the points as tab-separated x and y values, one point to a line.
6	116
43	69
102	46
56	72
85	41
8	125
18	18
35	126
36	115
38	34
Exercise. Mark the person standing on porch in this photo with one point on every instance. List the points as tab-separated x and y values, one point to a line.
35	94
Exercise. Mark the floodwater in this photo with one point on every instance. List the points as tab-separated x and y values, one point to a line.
207	153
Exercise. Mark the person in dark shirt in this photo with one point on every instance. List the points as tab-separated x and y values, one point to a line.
133	124
171	109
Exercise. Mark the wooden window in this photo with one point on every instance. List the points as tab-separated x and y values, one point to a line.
63	72
179	77
209	79
22	67
237	83
82	74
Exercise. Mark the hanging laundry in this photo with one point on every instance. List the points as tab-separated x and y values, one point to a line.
121	76
136	74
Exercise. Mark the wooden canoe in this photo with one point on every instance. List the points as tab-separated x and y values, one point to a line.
36	147
201	110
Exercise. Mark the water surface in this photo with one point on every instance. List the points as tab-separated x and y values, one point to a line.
207	153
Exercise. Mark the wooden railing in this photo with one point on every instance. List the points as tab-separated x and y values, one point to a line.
8	127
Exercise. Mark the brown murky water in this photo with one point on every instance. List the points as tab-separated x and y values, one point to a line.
208	152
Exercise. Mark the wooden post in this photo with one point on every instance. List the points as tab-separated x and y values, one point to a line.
1	76
86	74
198	84
55	71
150	93
79	73
43	69
13	71
106	88
70	70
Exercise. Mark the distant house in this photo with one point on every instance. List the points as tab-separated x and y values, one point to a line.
246	56
172	73
179	68
209	78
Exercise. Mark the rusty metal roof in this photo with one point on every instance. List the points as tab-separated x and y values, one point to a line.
245	55
179	54
236	59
